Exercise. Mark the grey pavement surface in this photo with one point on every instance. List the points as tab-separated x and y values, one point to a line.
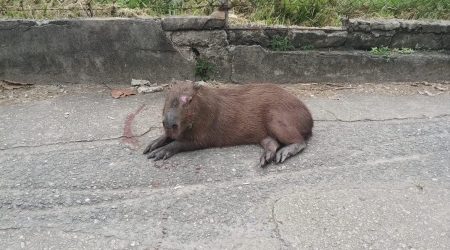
375	175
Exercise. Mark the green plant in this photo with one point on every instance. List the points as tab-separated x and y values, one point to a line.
289	12
281	43
404	50
381	51
204	69
307	47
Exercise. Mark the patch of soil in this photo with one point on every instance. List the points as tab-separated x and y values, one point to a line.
26	93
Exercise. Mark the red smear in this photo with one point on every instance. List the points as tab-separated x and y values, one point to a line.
128	136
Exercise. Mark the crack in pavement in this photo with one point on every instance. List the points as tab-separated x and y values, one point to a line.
423	117
283	242
81	141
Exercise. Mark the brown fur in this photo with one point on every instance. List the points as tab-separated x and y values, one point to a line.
251	114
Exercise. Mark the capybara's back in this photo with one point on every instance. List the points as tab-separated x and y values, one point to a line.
248	114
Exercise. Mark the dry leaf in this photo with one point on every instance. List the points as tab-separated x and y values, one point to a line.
119	93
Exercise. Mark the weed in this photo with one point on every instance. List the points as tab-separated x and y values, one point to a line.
404	51
298	12
204	69
281	43
381	51
327	12
308	47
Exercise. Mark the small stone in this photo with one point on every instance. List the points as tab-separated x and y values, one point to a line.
148	89
66	115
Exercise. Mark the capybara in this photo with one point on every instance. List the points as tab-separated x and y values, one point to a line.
196	117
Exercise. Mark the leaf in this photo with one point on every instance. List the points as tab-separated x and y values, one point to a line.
119	93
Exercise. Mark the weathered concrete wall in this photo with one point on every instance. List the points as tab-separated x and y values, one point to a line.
102	50
117	50
355	34
256	64
363	34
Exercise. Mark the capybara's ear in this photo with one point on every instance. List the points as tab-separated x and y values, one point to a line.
185	100
172	83
197	85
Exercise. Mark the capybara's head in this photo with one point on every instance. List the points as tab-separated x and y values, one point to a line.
178	111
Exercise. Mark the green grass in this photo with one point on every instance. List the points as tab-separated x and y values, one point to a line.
381	51
281	43
290	12
328	12
204	69
307	47
386	52
404	51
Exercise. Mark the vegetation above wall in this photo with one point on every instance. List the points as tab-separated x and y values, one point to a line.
289	12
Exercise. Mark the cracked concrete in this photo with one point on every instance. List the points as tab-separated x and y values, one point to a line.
283	243
374	175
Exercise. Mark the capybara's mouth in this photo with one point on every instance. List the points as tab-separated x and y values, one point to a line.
172	133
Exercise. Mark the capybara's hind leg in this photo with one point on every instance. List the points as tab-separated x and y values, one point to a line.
270	146
289	150
285	128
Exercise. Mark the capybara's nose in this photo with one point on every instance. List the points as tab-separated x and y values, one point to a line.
170	120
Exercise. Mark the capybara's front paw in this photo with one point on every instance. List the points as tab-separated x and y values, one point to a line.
161	153
157	143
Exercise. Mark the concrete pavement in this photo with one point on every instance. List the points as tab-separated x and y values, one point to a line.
376	174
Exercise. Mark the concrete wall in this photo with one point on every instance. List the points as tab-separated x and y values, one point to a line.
117	50
87	51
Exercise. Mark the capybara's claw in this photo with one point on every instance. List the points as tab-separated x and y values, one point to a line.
156	144
147	149
162	155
